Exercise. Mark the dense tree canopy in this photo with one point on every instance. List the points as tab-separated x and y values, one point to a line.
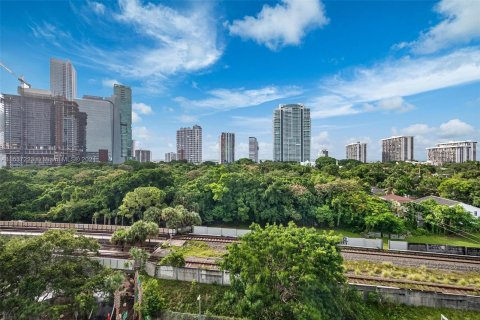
329	195
50	275
288	273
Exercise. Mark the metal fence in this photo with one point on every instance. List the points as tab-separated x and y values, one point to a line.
76	226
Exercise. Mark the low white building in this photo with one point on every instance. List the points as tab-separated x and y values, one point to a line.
447	202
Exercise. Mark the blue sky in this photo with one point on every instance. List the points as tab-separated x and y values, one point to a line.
367	69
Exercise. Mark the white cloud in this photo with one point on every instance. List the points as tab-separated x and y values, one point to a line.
109	83
186	118
427	136
320	141
397	104
141	133
417	129
173	41
52	34
282	25
459	26
179	41
408	76
228	99
142	108
136	118
97	7
455	128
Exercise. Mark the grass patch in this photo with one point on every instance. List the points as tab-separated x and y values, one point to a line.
194	248
182	296
388	270
402	312
444	239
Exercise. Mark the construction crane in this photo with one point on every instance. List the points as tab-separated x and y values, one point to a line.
24	84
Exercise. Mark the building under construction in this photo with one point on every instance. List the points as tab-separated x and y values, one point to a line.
37	128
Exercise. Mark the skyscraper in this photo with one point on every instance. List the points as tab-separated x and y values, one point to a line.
253	149
189	144
453	152
63	79
324	153
227	147
122	99
143	155
170	156
37	128
398	148
357	151
291	133
99	124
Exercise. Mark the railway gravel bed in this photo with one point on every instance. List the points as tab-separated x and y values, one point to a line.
413	261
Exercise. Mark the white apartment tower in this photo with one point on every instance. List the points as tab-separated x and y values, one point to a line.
253	149
452	152
227	147
189	144
399	148
357	151
170	156
291	133
63	79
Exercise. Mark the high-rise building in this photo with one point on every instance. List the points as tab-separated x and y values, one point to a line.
37	128
122	99
398	148
227	147
253	149
170	156
357	151
453	152
134	146
189	144
324	153
99	124
63	79
291	133
143	155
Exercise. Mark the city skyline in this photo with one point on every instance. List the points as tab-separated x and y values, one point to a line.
416	80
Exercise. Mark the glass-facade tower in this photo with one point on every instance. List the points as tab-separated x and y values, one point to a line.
122	97
291	133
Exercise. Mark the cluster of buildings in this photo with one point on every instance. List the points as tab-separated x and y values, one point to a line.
189	146
54	127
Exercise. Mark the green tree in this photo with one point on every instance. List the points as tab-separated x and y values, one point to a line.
456	189
179	217
322	162
49	275
139	200
288	273
174	259
153	302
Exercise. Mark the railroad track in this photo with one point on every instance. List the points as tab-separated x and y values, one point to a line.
416	255
352	278
206	238
426	286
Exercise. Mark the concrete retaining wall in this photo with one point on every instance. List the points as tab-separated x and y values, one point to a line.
362	242
390	294
421	298
219	232
397	245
